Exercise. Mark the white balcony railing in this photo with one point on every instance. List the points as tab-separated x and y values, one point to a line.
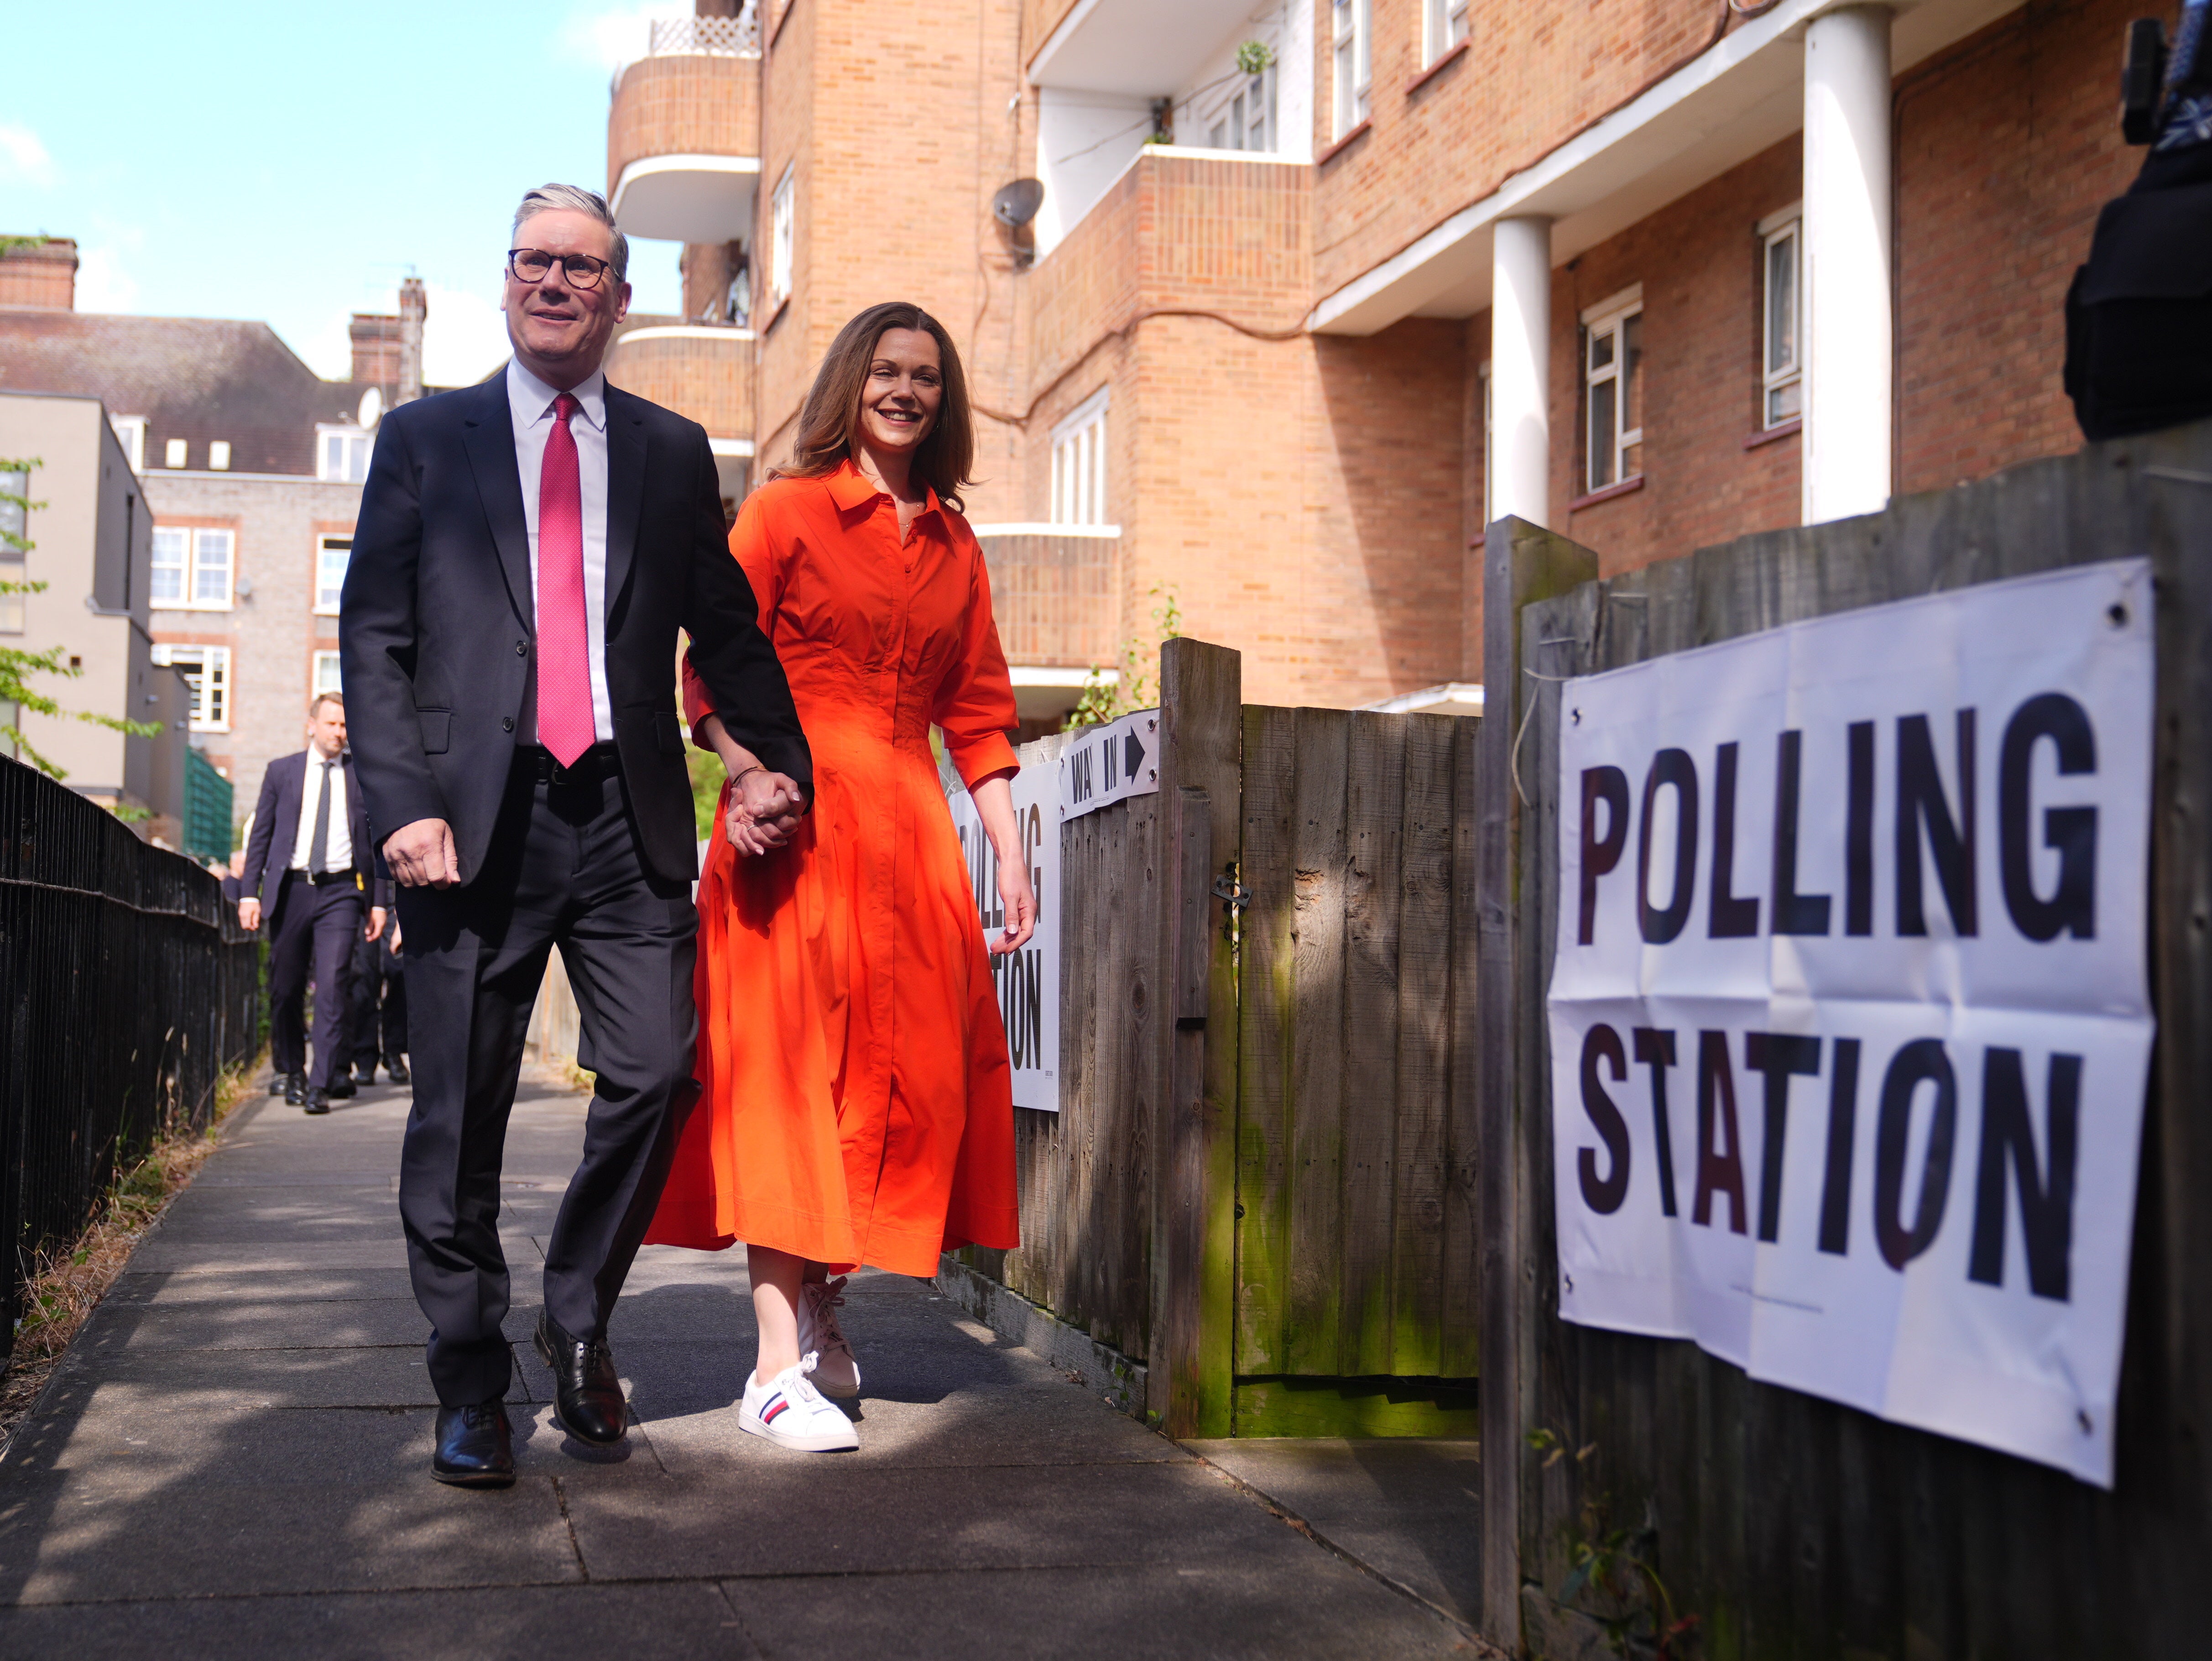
709	37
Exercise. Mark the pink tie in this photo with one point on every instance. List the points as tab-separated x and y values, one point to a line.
565	726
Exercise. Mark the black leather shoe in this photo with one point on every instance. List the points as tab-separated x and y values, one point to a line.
316	1101
364	1074
279	1083
340	1089
396	1066
475	1448
587	1398
295	1091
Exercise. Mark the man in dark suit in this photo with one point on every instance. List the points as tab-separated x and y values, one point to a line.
378	1018
525	553
309	867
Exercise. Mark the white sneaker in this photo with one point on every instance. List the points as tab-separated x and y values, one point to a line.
838	1373
787	1409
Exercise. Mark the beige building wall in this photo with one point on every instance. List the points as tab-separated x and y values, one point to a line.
91	539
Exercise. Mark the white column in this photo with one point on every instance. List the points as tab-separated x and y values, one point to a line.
1520	370
1847	265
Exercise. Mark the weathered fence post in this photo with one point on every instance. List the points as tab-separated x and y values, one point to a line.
1521	563
1194	1118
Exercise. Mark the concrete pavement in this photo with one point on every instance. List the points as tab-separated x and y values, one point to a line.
233	1458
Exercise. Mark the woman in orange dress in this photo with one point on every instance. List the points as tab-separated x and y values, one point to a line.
858	1105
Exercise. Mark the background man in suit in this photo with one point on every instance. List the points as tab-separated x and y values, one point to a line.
377	1022
525	553
309	864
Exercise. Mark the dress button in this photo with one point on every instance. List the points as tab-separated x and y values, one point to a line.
522	648
506	723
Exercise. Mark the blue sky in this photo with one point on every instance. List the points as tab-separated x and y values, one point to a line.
293	162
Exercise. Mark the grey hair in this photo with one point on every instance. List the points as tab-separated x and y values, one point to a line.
574	198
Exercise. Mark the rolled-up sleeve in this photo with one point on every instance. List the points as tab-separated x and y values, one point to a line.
975	700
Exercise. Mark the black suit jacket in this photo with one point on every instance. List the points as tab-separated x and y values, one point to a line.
277	823
438	635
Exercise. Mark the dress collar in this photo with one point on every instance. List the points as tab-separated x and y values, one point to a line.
532	398
850	488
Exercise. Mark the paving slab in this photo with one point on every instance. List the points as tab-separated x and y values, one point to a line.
233	1461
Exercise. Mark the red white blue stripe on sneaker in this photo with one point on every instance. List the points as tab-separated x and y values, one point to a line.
775	1407
789	1411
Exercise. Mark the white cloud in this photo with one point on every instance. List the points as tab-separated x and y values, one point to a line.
615	35
102	284
22	157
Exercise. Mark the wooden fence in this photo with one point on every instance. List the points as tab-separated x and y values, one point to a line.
1261	1180
1790	1525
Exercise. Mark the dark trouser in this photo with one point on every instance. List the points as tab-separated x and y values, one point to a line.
563	869
379	1019
316	928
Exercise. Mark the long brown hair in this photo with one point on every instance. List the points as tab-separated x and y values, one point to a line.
831	415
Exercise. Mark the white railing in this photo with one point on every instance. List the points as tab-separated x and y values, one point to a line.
709	37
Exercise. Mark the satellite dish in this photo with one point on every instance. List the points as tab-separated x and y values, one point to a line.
1017	204
372	406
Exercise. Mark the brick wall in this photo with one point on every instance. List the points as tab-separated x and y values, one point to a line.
683	106
710	380
43	276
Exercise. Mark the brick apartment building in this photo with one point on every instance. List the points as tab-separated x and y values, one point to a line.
1316	288
252	467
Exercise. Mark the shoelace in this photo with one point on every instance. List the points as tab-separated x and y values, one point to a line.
803	1385
829	1297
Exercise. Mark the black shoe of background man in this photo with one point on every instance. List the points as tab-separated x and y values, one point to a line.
316	1101
341	1089
295	1090
283	1084
364	1074
396	1066
475	1447
587	1398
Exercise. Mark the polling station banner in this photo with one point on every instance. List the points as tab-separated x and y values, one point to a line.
1849	1018
1028	981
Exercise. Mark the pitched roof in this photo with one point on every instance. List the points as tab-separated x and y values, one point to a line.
196	379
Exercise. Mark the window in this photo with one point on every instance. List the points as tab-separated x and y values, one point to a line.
173	454
207	672
332	554
1782	352
1352	69
327	678
14	525
1078	464
1247	121
783	227
1444	22
342	455
1613	382
219	456
131	433
192	569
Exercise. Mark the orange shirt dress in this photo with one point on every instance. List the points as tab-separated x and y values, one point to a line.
858	1106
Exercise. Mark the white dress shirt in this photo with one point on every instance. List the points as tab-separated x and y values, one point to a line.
532	401
337	849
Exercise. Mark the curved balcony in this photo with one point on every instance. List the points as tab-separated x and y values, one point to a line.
684	133
696	369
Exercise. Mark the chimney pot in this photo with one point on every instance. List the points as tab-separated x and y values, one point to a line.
414	307
43	275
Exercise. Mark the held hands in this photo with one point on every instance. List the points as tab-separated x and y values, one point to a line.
422	855
1020	899
764	811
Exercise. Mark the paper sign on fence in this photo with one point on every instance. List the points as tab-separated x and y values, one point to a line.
1028	981
1849	1020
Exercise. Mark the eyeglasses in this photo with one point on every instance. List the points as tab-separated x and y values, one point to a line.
531	265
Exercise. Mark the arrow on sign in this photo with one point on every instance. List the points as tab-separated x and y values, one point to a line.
1133	756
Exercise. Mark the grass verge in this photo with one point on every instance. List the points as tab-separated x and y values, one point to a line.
71	1279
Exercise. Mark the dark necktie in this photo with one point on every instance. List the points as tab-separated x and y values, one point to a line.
318	846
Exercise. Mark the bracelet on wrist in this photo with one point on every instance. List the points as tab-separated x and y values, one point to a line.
739	776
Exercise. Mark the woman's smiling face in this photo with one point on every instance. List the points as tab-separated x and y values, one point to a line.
905	386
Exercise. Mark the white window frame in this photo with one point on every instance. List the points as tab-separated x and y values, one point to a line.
1353	30
207	672
176	453
208	551
1079	463
1248	106
327	593
783	235
1608	321
1443	25
325	674
219	455
1777	229
130	433
349	465
15	519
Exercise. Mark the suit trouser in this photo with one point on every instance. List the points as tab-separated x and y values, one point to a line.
563	869
379	1021
316	928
